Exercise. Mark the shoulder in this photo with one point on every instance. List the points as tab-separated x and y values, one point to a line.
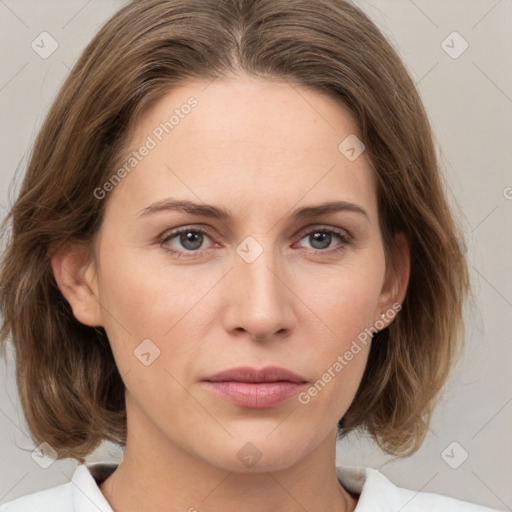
80	493
377	492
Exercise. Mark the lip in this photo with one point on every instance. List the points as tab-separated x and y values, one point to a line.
253	388
248	374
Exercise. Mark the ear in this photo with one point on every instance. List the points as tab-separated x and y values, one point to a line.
76	278
396	280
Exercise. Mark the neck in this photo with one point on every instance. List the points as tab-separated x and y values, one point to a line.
157	474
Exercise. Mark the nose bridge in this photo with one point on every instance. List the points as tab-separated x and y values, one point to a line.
259	304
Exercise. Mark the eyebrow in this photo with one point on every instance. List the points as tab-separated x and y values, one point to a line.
208	210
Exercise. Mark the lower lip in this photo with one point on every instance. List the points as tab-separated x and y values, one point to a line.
255	395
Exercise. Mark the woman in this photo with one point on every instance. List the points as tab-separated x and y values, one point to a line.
231	248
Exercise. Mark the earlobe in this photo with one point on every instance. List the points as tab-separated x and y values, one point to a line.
76	279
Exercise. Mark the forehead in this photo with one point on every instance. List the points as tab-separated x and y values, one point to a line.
247	140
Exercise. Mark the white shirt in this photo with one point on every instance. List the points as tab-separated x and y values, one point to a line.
376	494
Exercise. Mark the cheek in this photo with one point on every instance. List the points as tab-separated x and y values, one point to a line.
141	300
339	362
139	294
345	306
343	300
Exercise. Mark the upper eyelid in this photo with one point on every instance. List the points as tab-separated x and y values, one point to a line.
324	227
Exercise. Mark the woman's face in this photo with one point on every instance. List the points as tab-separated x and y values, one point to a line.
262	274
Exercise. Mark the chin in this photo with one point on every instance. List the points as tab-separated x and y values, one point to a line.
258	455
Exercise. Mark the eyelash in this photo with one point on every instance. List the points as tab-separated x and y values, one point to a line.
342	236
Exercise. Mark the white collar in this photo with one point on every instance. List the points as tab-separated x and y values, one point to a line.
85	493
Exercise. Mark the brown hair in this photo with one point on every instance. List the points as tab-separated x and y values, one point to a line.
71	392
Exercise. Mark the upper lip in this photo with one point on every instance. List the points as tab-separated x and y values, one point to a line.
248	374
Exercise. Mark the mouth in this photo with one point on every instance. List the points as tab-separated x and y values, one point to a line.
255	389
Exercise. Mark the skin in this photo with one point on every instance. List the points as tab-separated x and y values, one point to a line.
259	149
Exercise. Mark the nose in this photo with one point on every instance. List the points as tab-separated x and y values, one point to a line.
259	298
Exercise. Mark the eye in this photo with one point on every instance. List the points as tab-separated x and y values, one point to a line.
322	238
190	240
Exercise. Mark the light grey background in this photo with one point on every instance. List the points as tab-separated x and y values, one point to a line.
469	102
